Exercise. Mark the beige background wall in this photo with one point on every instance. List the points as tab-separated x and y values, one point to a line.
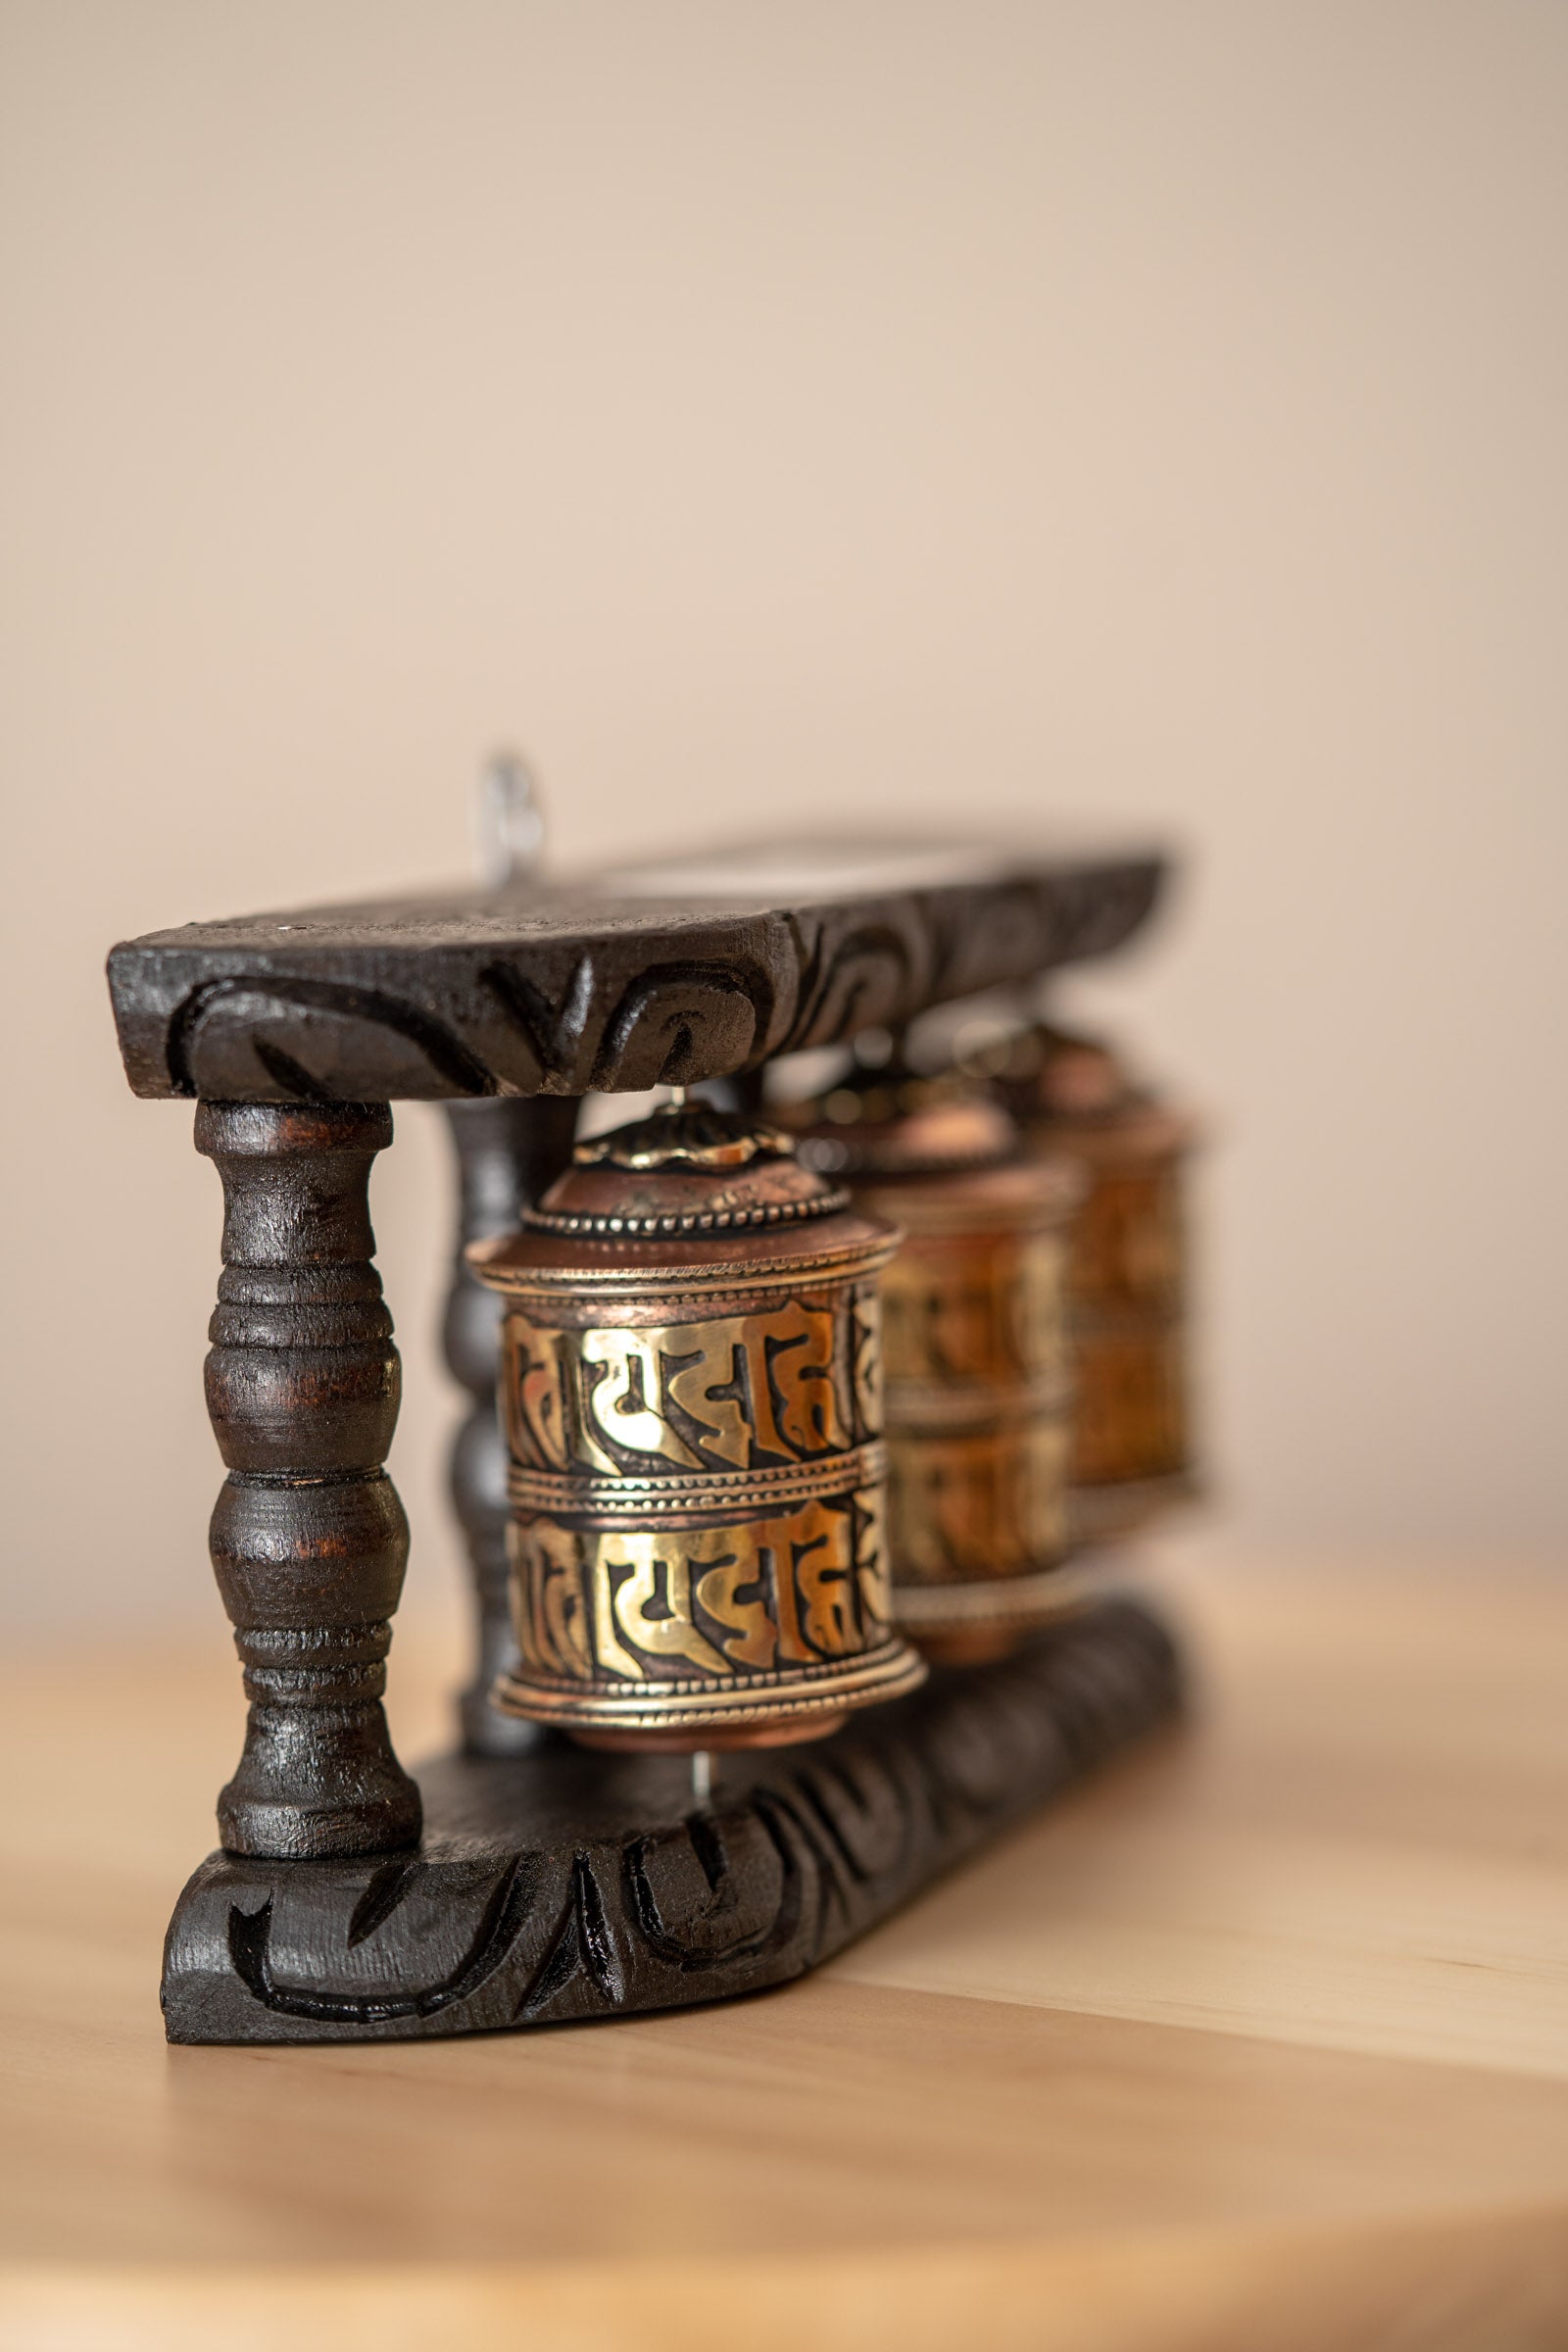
778	413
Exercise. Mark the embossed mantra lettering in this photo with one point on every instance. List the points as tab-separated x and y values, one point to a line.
802	1588
975	1307
736	1393
976	1491
978	1503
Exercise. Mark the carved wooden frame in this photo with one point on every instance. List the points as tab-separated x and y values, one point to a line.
531	1882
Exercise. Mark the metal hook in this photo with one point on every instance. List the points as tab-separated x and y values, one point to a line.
509	822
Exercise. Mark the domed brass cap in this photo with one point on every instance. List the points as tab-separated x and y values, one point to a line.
687	1196
937	1154
897	1123
1077	1094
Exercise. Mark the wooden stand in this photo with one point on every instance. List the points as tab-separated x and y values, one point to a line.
542	1884
565	1885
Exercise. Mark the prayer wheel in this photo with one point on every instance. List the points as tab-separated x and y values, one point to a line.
974	1347
693	1407
1127	1272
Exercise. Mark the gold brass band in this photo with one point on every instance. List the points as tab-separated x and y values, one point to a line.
917	1406
977	1309
1131	1420
714	1611
979	1506
698	1539
797	1384
658	1604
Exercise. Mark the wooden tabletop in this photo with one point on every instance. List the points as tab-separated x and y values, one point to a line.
1262	2042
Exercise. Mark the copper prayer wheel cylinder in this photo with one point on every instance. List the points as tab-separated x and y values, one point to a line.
1127	1273
974	1351
693	1407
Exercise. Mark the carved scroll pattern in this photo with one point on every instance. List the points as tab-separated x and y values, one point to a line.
487	1933
350	1014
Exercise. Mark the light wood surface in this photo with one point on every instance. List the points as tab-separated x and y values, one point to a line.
1260	2042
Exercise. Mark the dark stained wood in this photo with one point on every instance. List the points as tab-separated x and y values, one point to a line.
565	1885
308	1539
548	1884
666	974
508	1151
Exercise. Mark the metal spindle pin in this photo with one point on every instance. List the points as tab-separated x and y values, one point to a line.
703	1776
509	822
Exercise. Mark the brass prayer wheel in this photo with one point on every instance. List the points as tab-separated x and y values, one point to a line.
974	1349
693	1406
1127	1272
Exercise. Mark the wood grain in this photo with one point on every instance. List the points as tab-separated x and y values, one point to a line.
1260	2044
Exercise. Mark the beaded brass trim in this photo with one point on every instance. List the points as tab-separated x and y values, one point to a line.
888	1672
632	1499
710	1220
712	1279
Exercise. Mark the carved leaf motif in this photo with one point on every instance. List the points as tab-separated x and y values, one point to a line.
583	1948
811	1850
551	1029
319	1041
864	977
250	1936
651	1037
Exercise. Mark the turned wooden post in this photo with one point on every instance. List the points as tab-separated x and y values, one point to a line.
308	1539
508	1152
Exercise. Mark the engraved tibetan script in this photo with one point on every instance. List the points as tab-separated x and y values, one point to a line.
734	1393
983	1307
983	1503
802	1588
